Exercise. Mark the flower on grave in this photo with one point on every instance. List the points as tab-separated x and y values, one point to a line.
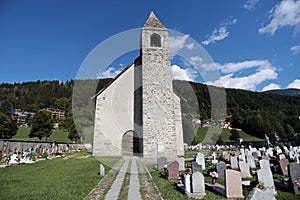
214	174
297	182
260	185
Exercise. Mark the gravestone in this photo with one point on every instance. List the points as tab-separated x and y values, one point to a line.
161	162
198	184
187	183
173	170
234	162
102	170
265	158
233	184
294	174
242	155
255	155
221	166
214	155
250	161
265	176
181	162
283	165
269	152
236	153
227	157
201	160
264	164
196	167
258	194
245	169
281	156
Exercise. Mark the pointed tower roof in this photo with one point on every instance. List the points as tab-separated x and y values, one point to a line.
153	22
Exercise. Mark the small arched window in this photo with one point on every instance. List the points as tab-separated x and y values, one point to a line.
155	40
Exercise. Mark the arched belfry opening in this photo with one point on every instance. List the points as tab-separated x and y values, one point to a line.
131	144
155	40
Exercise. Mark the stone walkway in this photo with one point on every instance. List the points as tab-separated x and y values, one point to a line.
115	189
136	167
134	187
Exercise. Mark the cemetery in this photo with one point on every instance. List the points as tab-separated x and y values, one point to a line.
231	172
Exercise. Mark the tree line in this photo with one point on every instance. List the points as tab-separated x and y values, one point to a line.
256	113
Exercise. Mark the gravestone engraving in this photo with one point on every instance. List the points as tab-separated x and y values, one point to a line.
198	184
173	170
221	166
294	175
245	169
234	162
196	167
161	162
284	165
181	162
233	184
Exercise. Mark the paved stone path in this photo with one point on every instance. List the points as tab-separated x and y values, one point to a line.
115	189
110	186
134	187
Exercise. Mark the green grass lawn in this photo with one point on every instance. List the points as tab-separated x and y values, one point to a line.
59	178
57	135
225	134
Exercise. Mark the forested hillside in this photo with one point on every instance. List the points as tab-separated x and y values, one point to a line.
254	112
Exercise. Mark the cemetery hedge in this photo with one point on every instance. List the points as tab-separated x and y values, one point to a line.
59	178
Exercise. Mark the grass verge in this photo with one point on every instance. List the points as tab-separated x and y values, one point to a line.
58	178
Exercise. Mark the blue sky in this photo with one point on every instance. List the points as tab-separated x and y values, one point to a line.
254	44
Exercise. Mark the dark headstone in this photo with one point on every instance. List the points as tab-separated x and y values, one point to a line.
255	155
294	174
161	162
221	166
196	167
173	168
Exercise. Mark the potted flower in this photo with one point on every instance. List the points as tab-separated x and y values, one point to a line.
214	175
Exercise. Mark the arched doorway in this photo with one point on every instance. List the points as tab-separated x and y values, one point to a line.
131	144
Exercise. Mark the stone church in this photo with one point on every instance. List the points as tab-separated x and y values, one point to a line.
138	114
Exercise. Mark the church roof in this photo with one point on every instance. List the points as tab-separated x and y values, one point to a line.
153	22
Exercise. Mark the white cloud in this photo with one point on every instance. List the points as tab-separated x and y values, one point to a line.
264	71
219	33
196	60
176	43
285	13
294	84
250	5
295	49
110	72
234	67
247	82
188	74
271	86
190	46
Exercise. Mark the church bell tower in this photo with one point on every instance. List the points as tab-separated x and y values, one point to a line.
158	112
